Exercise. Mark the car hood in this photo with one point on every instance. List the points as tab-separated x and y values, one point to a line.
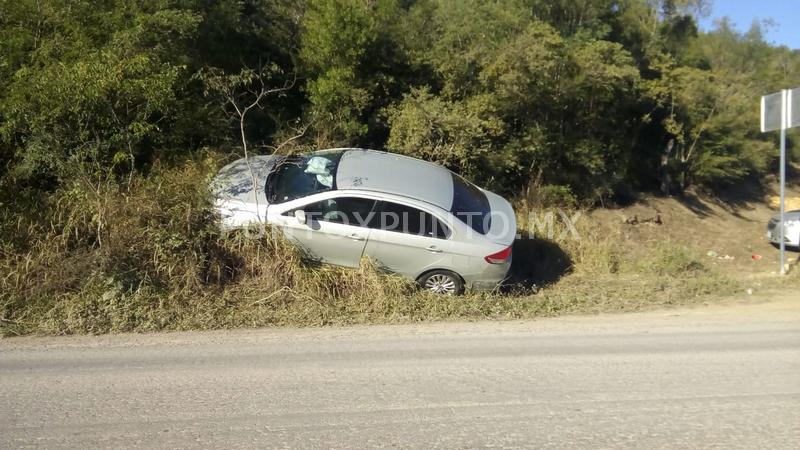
234	182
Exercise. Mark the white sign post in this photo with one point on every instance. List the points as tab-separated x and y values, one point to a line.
781	111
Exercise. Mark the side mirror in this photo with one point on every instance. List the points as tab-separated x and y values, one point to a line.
301	217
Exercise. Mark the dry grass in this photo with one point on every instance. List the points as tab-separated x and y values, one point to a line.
606	275
146	255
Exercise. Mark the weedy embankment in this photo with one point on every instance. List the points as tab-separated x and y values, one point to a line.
145	254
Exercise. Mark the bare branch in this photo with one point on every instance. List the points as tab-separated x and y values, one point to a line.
244	92
299	132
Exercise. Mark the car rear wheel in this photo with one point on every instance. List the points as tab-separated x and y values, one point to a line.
442	282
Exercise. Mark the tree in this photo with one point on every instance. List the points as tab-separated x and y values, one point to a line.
88	98
512	99
460	135
581	94
340	54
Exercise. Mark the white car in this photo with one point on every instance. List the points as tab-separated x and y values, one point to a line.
415	218
791	229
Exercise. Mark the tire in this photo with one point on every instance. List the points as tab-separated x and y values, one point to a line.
442	282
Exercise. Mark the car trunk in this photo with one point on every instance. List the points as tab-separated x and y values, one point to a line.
503	227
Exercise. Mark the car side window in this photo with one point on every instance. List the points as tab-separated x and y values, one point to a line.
345	210
406	219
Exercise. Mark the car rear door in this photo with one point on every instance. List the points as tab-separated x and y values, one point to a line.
335	232
407	240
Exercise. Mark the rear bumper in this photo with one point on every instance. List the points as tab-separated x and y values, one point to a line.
489	279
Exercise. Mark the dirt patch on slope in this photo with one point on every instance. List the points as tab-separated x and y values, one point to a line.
728	236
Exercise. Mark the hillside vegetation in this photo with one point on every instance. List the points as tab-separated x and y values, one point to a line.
115	114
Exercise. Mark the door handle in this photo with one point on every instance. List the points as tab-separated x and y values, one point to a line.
356	237
433	249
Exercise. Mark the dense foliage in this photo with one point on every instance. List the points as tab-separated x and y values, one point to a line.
517	94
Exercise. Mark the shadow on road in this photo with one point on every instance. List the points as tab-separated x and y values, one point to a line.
536	263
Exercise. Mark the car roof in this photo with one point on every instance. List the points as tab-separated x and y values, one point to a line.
390	173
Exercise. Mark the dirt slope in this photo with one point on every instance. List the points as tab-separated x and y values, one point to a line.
729	235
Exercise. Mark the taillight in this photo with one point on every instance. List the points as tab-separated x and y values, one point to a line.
499	257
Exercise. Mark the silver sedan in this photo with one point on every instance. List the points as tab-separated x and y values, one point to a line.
415	218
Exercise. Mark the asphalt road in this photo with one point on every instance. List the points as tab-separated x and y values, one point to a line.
713	377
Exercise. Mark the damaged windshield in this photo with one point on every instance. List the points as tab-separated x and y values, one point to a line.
303	175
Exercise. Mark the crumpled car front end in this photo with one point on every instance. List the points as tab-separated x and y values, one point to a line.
237	200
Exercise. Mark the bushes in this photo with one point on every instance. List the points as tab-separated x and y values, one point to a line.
669	260
576	94
551	196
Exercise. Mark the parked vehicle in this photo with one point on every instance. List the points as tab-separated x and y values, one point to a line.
791	229
415	218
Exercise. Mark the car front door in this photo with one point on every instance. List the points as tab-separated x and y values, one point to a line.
407	240
335	230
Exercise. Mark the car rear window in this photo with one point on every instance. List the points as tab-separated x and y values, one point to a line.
470	205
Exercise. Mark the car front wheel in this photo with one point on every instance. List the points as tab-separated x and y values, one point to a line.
442	282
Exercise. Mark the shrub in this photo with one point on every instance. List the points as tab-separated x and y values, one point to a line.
669	259
552	196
